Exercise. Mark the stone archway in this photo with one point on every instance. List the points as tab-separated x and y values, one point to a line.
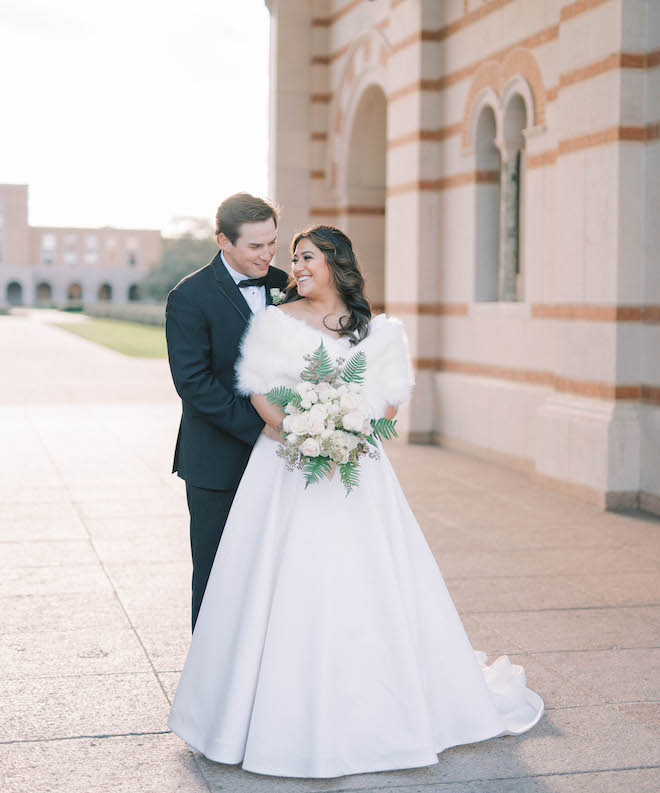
74	292
44	294
14	293
365	189
105	292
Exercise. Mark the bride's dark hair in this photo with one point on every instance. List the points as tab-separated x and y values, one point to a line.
348	279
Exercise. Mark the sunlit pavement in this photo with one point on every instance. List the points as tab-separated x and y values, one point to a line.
95	588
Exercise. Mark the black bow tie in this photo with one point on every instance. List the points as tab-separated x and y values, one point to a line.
252	282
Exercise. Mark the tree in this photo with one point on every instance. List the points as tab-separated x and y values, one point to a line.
192	247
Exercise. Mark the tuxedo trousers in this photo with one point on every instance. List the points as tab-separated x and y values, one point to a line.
208	514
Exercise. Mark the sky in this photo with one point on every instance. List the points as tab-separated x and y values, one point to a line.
134	112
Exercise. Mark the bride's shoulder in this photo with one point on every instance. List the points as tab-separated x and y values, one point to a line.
385	329
276	325
294	309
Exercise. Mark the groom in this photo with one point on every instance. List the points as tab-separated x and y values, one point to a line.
206	315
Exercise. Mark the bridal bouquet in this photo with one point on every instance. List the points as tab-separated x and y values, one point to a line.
328	420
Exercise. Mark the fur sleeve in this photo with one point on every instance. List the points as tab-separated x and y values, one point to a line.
389	378
265	355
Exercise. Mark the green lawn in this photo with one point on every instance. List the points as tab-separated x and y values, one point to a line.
130	338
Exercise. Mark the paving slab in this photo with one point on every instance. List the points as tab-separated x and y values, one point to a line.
44	708
166	649
86	651
123	764
22	529
625	589
45	553
522	593
54	580
617	676
560	688
122	550
580	629
71	611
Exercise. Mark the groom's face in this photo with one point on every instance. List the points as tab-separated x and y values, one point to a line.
253	250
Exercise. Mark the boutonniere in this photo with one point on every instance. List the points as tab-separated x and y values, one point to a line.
277	296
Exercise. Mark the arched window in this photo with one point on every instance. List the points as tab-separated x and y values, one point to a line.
14	293
506	102
134	292
487	210
105	292
515	121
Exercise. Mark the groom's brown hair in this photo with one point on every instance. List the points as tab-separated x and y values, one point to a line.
242	208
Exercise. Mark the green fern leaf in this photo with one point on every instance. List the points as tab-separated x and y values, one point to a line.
355	368
314	468
350	476
320	366
385	429
281	396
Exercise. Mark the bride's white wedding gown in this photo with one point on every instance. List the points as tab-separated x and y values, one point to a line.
327	642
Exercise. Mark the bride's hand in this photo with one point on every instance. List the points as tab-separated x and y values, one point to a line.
273	433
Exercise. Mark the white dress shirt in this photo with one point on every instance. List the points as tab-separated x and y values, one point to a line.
255	296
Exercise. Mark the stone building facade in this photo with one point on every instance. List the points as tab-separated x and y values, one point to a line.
497	164
48	266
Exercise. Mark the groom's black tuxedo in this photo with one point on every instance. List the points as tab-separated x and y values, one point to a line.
206	317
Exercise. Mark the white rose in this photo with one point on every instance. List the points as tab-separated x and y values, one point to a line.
306	404
355	387
319	409
286	423
348	403
290	408
333	409
328	393
311	447
367	429
316	425
312	396
342	389
302	388
340	456
340	439
327	433
352	442
293	439
353	421
299	423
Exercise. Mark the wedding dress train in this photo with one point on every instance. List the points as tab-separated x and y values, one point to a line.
327	642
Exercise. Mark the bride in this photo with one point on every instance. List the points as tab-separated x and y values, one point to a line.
327	643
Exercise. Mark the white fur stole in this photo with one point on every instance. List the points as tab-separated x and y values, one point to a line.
275	343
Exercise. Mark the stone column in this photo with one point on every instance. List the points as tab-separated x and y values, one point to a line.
589	433
290	117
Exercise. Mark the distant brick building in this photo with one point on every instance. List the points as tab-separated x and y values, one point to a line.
497	164
52	266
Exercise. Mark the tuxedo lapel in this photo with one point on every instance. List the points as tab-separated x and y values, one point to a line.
227	286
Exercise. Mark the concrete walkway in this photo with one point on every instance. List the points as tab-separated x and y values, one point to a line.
95	581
